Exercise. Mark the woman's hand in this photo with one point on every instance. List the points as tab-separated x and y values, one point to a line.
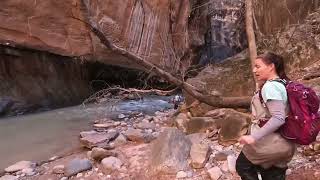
247	139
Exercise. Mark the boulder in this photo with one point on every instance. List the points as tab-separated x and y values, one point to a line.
100	153
170	152
111	163
222	80
233	124
120	140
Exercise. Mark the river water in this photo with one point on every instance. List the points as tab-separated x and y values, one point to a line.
37	137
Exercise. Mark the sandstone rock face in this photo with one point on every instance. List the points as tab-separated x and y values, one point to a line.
156	29
165	32
233	77
221	26
275	14
299	43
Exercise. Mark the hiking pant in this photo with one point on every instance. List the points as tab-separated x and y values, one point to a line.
249	171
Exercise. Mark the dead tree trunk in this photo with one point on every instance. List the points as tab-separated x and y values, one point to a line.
250	34
216	101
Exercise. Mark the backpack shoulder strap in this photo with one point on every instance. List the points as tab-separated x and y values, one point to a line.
282	81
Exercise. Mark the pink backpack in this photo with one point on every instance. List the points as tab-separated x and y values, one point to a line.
303	121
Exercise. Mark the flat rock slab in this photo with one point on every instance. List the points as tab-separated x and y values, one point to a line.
77	165
19	166
146	125
135	135
104	125
93	139
8	177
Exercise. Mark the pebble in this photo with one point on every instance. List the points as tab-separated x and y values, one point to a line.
28	171
58	169
79	175
181	174
117	123
121	116
288	172
231	159
215	173
88	174
53	158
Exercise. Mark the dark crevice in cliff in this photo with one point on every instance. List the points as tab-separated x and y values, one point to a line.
104	76
33	81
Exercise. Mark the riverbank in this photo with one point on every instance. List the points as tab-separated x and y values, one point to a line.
142	146
37	137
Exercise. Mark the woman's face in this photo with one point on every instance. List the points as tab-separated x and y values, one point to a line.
263	71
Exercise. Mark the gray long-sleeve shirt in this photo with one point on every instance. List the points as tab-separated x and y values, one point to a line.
278	114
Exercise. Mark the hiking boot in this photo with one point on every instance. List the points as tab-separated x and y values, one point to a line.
273	173
245	169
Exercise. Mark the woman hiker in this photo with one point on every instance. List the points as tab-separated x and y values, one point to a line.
265	151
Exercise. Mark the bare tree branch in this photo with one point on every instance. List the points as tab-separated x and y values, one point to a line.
204	97
250	33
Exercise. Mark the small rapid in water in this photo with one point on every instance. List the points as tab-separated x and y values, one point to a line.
37	137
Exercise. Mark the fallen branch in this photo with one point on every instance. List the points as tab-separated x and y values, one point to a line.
216	101
106	93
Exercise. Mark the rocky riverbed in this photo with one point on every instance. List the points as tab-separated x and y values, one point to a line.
163	146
